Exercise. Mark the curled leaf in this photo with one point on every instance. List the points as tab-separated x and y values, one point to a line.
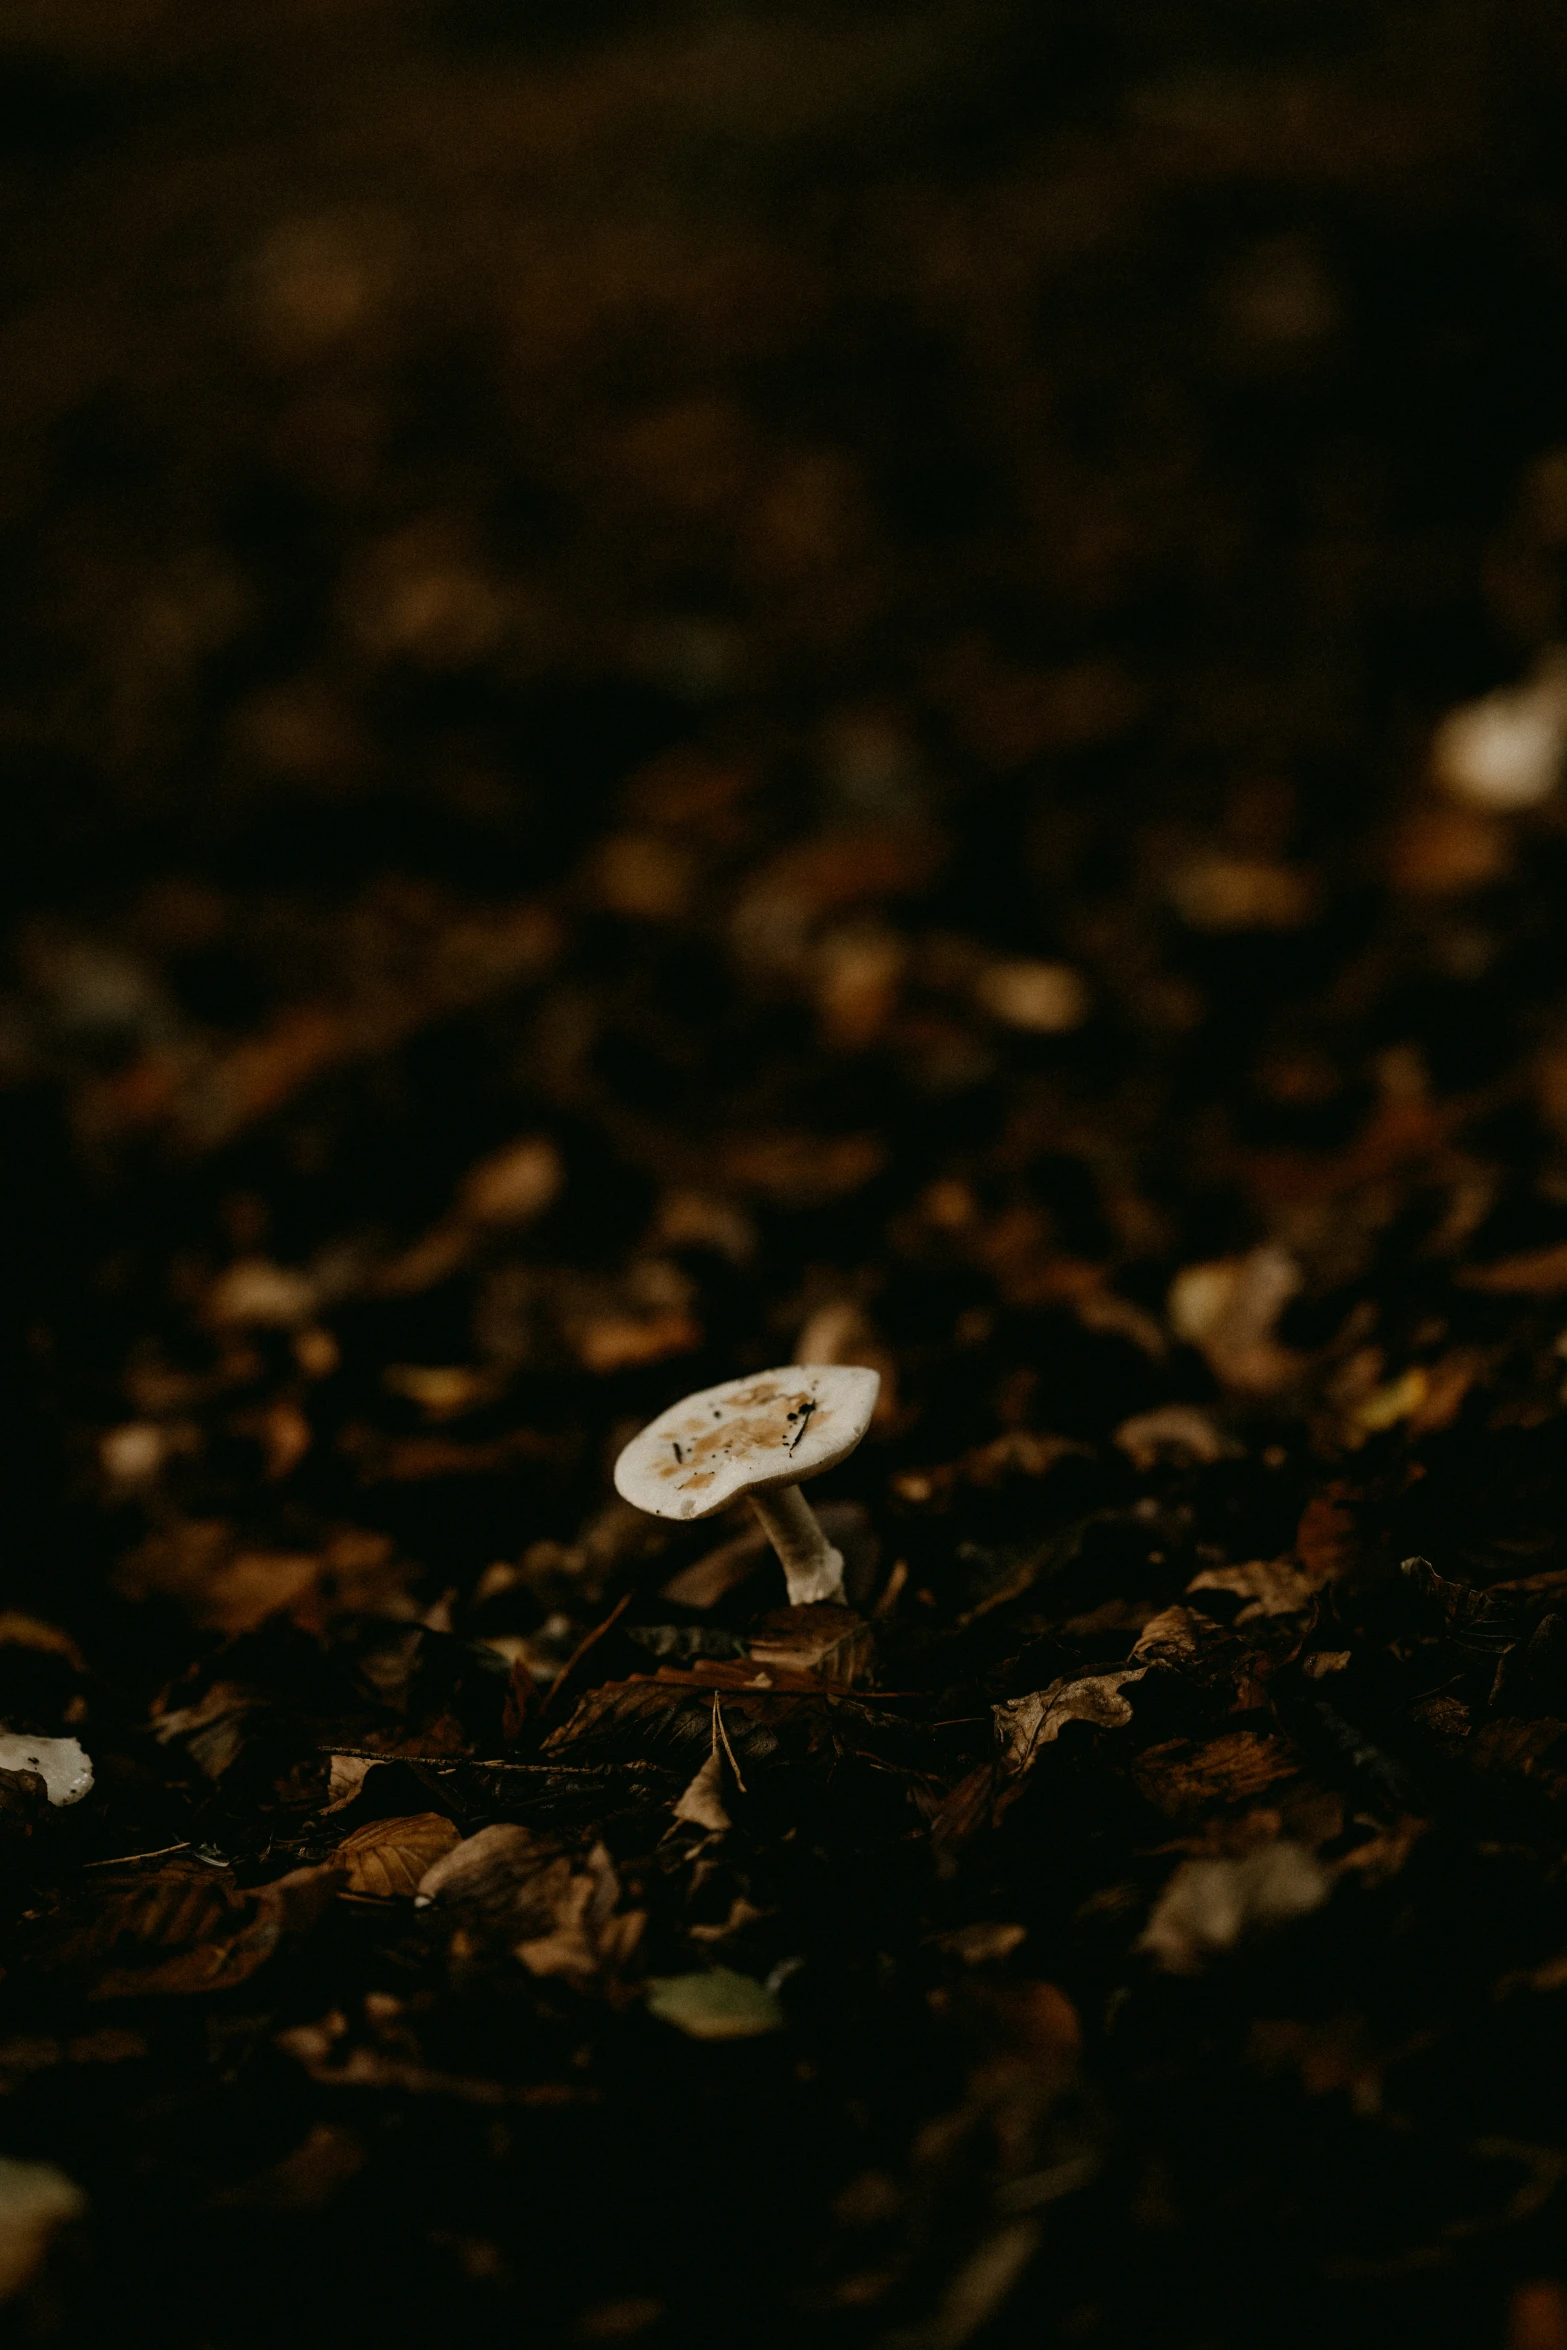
390	1858
1024	1724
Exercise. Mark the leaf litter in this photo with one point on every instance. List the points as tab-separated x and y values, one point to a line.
902	736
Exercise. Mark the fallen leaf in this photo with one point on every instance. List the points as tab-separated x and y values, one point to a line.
1241	893
212	1730
1537	1272
702	1803
389	1859
624	1342
513	1185
982	1942
1209	1906
305	2180
1043	999
828	1641
717	2005
1024	1724
1270	1587
1184	1776
1228	1309
1175	1431
259	1293
802	1170
1326	1538
23	1631
489	1870
1338	2053
1175	1636
591	1939
181	1928
345	1780
36	2199
1438	852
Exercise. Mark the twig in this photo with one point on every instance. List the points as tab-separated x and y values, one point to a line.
479	1762
123	1860
719	1732
582	1647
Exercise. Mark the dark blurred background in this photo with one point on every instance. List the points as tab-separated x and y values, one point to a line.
715	572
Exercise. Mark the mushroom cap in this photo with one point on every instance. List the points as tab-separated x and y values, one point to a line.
750	1435
59	1762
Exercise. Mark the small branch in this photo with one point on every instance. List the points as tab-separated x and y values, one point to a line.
582	1647
123	1860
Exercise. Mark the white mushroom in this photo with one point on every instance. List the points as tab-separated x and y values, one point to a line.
59	1762
762	1436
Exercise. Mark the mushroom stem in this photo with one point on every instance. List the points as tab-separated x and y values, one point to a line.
812	1568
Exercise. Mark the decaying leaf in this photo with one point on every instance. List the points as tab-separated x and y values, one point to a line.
306	2179
715	2005
1229	1308
212	1730
390	1858
185	1928
492	1871
590	1939
1209	1906
1175	1431
1185	1776
702	1803
1269	1587
1024	1724
36	2200
831	1642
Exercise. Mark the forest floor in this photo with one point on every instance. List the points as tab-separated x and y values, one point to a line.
686	688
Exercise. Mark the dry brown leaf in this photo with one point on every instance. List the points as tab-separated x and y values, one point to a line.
591	1940
23	1631
1176	1431
831	1642
1182	1777
802	1170
513	1185
625	1342
1024	1724
1338	2053
35	2200
314	2047
493	1870
1270	1587
389	1858
1438	852
1229	1307
212	1730
702	1803
221	1588
1537	1272
308	2178
1326	1538
185	1928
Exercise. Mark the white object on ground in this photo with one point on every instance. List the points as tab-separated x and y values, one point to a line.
1045	998
759	1436
1506	750
59	1762
35	2199
1209	1906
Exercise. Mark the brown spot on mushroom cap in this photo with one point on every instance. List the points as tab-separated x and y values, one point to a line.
749	1435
